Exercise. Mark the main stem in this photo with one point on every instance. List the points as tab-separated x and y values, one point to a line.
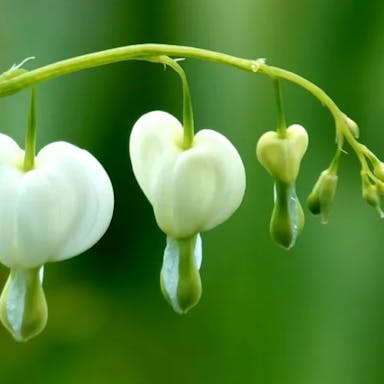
145	52
12	82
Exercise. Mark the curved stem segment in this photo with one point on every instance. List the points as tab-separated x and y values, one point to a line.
12	84
188	123
15	80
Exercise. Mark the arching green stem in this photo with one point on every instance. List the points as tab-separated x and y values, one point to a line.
12	81
11	84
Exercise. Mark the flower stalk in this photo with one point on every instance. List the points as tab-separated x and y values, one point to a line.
30	137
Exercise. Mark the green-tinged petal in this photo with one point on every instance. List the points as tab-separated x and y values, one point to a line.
287	219
281	156
179	277
23	308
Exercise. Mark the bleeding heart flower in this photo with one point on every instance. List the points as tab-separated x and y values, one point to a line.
191	190
56	210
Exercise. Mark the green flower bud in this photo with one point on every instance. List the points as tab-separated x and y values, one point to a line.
321	198
371	193
353	127
179	278
380	187
23	309
281	156
287	219
378	170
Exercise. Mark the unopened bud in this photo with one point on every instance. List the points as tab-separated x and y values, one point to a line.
353	127
321	198
281	156
378	170
371	194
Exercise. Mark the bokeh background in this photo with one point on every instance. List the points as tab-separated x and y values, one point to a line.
313	315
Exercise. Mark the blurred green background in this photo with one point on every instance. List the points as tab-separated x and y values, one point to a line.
313	315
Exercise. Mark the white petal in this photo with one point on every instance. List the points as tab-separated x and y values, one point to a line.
209	183
10	178
89	190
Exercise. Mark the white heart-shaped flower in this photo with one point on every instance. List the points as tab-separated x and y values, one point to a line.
55	211
191	190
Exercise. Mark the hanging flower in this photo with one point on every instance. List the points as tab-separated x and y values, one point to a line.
281	155
191	190
53	212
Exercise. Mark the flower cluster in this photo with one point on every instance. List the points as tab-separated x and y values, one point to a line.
59	203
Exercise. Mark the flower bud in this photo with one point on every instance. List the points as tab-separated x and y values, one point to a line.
179	278
281	156
378	170
371	193
321	198
380	187
353	127
191	190
287	219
